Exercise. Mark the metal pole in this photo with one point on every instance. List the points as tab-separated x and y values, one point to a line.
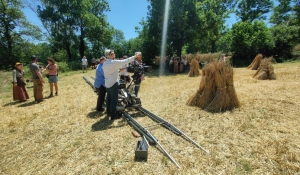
170	126
148	134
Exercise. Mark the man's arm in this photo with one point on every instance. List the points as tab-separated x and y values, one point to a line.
40	76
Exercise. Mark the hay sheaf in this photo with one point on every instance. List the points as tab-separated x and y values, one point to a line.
194	70
216	91
256	62
265	70
208	57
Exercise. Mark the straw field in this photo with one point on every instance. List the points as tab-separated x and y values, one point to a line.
65	135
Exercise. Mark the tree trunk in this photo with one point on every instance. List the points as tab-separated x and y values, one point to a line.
8	59
213	46
68	50
81	46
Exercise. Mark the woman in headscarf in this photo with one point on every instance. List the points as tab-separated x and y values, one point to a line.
19	90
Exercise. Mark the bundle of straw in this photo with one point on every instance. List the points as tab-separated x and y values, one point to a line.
265	70
194	69
256	62
216	92
189	57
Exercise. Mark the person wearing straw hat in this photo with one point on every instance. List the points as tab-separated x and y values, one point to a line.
38	82
19	90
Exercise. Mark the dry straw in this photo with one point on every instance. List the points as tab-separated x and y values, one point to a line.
208	57
256	62
194	70
265	70
216	92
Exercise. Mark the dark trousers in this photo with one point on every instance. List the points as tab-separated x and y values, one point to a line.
112	99
101	95
136	89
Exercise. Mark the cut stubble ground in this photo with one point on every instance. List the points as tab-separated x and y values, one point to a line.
65	134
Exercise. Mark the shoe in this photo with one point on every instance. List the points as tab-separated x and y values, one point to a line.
56	93
100	110
116	116
39	101
51	95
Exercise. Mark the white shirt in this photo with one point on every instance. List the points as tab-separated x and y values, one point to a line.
84	61
124	71
111	70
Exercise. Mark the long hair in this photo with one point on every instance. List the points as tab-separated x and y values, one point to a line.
51	60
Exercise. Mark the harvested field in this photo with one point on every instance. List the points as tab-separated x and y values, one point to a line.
65	135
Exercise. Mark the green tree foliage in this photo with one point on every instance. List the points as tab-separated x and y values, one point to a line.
15	33
282	13
249	39
297	14
250	10
224	42
180	24
212	14
285	38
73	24
151	32
118	43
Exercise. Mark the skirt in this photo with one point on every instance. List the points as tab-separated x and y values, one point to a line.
20	93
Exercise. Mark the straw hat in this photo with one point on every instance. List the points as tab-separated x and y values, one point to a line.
18	63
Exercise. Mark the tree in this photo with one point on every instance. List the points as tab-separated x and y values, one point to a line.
151	31
282	13
250	39
70	23
14	30
285	38
212	15
250	10
118	43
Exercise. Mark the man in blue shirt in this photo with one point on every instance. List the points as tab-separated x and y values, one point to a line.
99	84
111	71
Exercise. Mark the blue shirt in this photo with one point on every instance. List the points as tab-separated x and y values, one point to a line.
111	70
99	80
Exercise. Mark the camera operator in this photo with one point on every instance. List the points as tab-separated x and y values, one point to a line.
111	71
138	72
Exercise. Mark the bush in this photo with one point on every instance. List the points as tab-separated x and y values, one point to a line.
74	65
63	67
285	38
249	39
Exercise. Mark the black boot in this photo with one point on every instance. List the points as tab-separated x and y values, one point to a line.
51	95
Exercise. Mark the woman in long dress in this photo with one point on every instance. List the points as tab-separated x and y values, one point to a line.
19	90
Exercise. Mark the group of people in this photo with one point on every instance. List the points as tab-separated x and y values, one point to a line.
106	81
19	89
176	64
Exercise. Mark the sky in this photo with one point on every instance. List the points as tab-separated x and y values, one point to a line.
123	15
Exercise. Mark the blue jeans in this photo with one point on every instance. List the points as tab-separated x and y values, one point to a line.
112	99
136	89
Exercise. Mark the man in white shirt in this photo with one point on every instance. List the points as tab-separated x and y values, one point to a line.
111	71
84	63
